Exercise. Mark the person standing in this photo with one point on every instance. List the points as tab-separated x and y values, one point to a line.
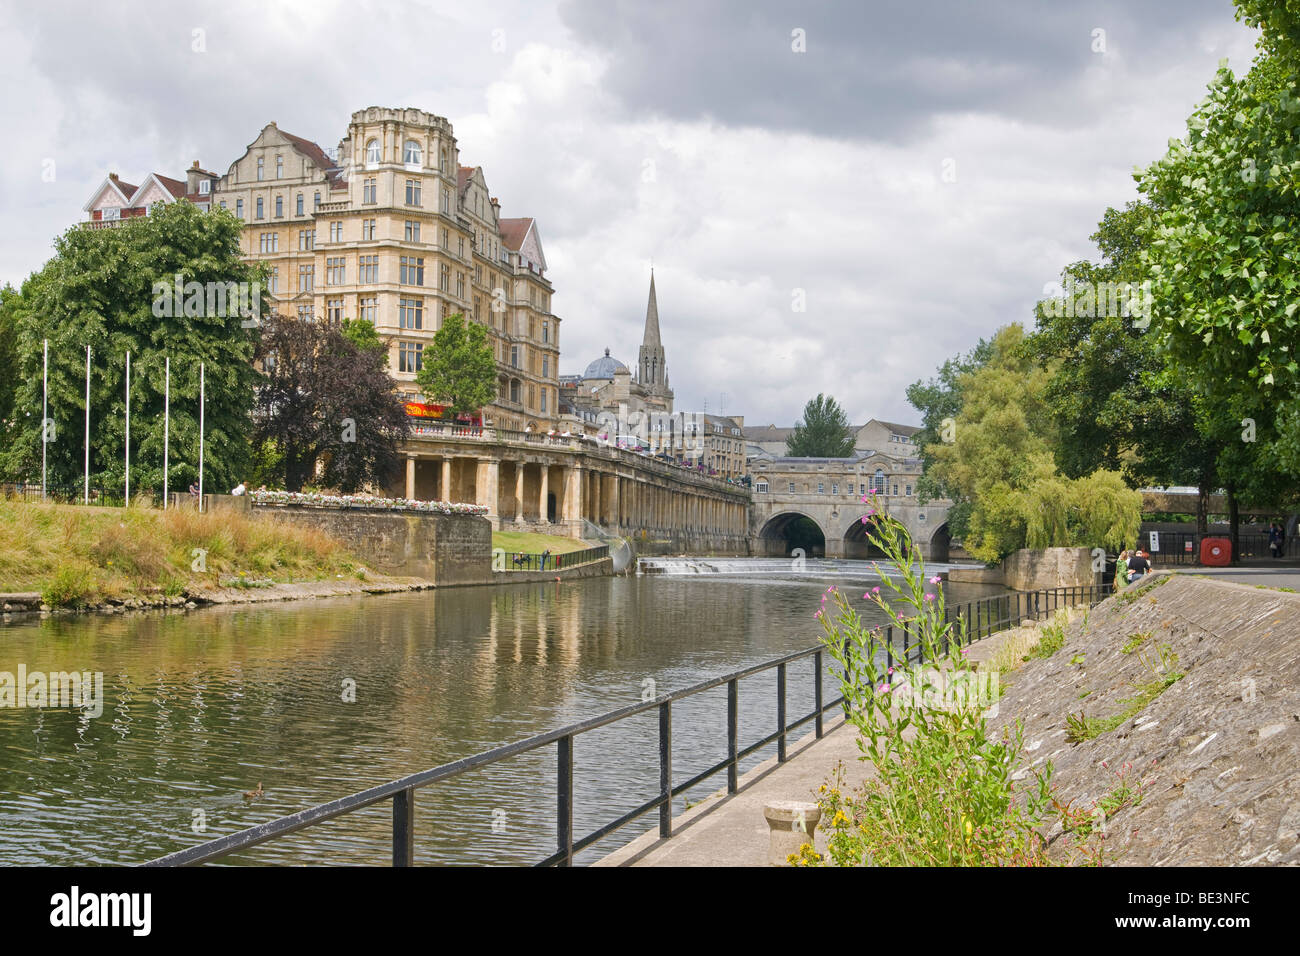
1275	540
1121	570
1138	565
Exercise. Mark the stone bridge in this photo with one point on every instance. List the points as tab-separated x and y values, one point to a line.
775	524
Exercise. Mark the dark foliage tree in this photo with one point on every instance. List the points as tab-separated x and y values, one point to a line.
322	399
824	431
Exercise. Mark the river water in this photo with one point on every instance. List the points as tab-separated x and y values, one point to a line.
200	707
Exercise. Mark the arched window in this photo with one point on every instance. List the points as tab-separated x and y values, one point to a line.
880	481
412	155
372	151
261	168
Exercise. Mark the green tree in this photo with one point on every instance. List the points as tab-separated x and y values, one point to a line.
459	369
824	431
8	361
362	334
112	290
939	400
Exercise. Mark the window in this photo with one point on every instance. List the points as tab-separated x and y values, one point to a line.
306	239
372	152
260	214
446	201
261	168
546	366
546	331
543	399
411	270
460	285
305	313
335	270
279	207
273	279
792	487
367	268
444	278
909	491
368	228
239	208
299	207
514	390
412	231
205	187
410	356
369	190
878	485
306	278
336	232
369	305
446	242
760	487
334	311
222	204
410	313
514	356
835	488
462	246
413	192
279	167
478	303
412	155
895	491
442	161
316	200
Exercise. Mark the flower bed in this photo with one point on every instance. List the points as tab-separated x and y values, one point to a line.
369	502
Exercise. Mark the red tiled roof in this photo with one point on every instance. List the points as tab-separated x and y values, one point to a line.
463	175
513	231
127	188
313	152
173	186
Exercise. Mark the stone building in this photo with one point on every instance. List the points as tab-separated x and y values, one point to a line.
894	439
390	228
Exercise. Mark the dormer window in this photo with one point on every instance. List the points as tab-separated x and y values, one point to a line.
205	187
412	155
279	167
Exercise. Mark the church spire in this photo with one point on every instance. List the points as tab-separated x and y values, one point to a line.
652	366
651	337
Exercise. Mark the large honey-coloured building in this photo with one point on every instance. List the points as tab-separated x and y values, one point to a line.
391	228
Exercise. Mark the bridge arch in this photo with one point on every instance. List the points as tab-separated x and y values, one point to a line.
787	530
940	543
856	542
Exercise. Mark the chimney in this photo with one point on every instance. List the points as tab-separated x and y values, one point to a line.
496	206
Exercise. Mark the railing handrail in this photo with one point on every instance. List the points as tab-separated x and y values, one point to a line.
402	790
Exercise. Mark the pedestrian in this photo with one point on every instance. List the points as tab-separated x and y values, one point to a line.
1138	565
194	489
1121	570
1275	539
545	554
238	490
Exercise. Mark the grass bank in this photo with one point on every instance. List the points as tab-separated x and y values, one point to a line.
76	556
531	543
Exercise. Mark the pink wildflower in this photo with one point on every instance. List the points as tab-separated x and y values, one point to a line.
935	579
875	590
929	597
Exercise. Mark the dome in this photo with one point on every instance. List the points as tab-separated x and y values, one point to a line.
604	367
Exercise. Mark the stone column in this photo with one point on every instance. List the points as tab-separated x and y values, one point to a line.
617	494
544	493
410	476
486	485
519	492
445	489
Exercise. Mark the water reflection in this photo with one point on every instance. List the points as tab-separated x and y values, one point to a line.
200	707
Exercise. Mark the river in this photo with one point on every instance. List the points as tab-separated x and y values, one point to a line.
201	706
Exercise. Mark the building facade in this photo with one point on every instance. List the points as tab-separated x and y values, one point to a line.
389	228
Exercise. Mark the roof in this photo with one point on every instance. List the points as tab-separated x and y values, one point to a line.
313	152
463	175
766	433
173	186
514	231
908	430
604	367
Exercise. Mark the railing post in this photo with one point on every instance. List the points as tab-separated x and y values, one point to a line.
404	827
889	646
666	769
780	713
564	799
817	692
733	734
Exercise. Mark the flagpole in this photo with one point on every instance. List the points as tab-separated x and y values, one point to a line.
167	398
87	485
126	501
201	400
45	411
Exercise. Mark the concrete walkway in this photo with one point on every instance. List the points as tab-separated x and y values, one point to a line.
730	830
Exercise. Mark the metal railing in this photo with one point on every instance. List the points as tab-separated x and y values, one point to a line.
548	561
1182	548
112	497
982	617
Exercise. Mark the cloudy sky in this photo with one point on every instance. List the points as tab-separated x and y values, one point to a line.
909	172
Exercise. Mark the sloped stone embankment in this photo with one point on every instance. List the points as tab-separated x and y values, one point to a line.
1217	751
